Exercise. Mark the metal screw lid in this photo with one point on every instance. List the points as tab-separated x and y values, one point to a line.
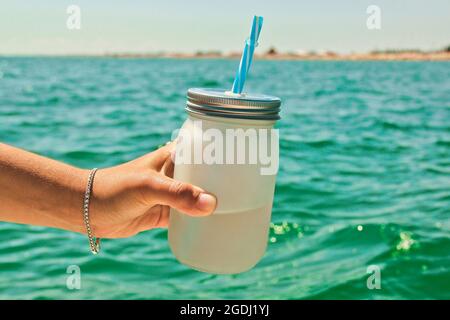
221	103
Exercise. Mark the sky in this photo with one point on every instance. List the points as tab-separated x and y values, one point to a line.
139	26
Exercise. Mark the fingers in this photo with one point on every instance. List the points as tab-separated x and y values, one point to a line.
163	154
182	196
168	168
164	190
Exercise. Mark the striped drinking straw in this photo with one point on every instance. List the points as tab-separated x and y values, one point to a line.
247	55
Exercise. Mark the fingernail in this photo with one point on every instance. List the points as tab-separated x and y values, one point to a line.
206	202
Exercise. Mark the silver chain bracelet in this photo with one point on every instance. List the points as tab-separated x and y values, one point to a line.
94	243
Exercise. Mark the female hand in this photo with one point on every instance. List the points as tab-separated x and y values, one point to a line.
137	196
125	200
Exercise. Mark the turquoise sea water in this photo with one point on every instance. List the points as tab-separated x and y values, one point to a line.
364	176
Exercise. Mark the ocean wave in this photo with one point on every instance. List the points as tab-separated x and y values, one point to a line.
363	176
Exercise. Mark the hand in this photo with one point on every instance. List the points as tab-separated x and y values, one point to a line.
136	196
126	199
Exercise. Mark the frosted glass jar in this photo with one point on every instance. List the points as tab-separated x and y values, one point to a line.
228	147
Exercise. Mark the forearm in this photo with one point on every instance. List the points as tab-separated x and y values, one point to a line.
40	191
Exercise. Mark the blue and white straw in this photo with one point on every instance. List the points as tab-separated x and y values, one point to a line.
247	55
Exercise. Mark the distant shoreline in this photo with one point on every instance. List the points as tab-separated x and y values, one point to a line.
374	56
324	56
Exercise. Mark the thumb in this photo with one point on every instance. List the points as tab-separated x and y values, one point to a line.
183	197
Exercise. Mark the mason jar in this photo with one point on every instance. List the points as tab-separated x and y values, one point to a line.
228	147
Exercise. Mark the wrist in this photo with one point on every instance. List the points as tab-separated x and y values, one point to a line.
99	201
74	207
